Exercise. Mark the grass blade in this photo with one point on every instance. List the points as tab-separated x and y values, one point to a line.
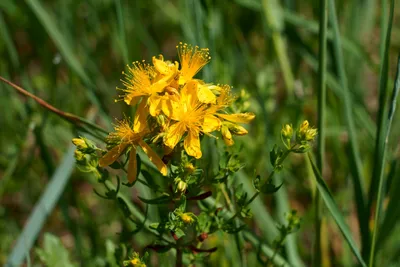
321	126
334	210
355	159
377	181
12	51
121	31
392	213
274	18
383	132
42	209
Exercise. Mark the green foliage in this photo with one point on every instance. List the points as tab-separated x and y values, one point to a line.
53	253
71	54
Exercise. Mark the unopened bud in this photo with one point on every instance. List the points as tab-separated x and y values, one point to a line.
304	126
79	143
161	120
181	185
310	134
79	156
236	129
226	135
189	168
287	131
187	218
202	237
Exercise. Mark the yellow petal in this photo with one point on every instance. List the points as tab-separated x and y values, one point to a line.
132	166
132	98
205	95
112	155
154	157
159	86
238	118
192	60
174	134
211	123
192	144
140	121
160	65
154	102
189	96
166	106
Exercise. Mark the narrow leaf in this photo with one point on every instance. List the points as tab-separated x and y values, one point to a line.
334	210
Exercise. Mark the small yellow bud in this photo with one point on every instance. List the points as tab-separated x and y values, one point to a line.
236	129
304	127
182	186
79	143
135	261
305	133
79	156
189	168
287	131
310	134
226	135
187	218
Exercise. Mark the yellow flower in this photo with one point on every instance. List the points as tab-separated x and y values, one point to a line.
192	60
152	84
306	133
125	137
191	116
229	122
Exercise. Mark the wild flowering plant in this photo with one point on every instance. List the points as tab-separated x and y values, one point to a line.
174	110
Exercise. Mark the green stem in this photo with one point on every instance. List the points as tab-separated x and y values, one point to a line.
321	125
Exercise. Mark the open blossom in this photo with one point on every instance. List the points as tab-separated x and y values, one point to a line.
151	84
125	137
190	116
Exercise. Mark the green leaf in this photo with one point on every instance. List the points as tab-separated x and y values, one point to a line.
54	253
269	188
334	210
158	200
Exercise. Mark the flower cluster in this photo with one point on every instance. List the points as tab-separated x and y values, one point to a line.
172	106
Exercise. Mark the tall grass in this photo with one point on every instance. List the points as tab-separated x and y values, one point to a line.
312	60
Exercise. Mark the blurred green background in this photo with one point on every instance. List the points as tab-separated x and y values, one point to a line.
71	53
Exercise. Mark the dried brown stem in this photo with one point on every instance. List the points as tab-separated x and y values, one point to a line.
65	115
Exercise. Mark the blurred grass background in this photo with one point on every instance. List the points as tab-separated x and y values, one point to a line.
71	53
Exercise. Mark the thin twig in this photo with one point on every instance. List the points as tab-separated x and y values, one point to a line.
76	120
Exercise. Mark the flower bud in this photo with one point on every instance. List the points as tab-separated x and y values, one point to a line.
79	143
189	168
226	135
310	134
236	129
287	131
79	156
187	218
304	126
181	185
305	133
